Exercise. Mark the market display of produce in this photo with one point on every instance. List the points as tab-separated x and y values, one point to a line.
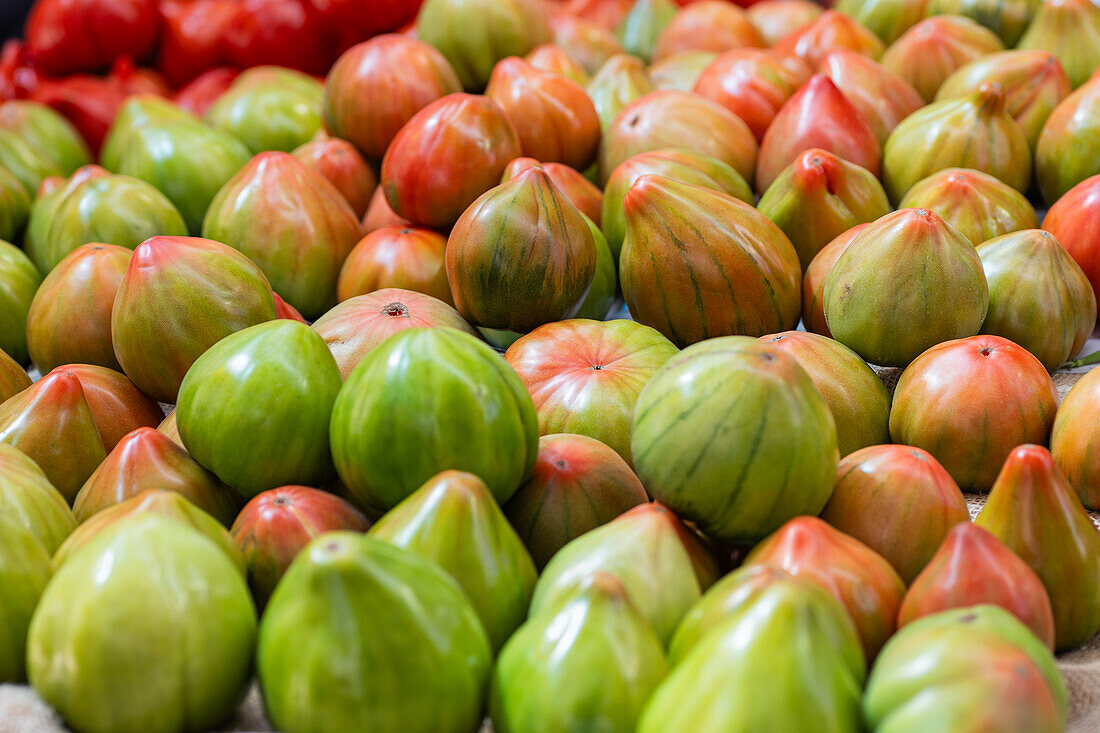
548	366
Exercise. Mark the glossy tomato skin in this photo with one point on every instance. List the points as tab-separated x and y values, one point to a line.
753	83
899	501
366	19
362	322
117	406
983	379
1075	220
578	484
1032	508
52	423
584	376
391	257
146	457
198	96
816	116
971	567
343	166
90	103
1075	442
282	32
67	36
254	409
445	157
275	525
193	37
399	74
553	116
853	573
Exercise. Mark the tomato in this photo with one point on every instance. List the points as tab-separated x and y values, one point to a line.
67	36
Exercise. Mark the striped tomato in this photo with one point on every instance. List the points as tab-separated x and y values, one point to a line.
855	395
980	206
448	154
522	255
969	402
580	191
1064	155
669	118
735	407
968	664
1071	29
1038	296
931	50
117	406
578	484
1033	510
400	75
292	222
147	458
379	214
1075	220
584	376
697	263
818	115
973	567
661	562
971	132
708	26
753	83
428	400
899	501
830	31
1075	441
678	164
617	83
881	96
84	282
818	197
275	525
813	281
777	19
851	571
906	282
392	257
29	500
454	521
585	37
51	422
553	116
343	166
359	324
1034	82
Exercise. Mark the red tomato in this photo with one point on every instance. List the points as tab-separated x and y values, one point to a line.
197	96
284	32
17	79
67	36
89	102
368	18
193	38
138	80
